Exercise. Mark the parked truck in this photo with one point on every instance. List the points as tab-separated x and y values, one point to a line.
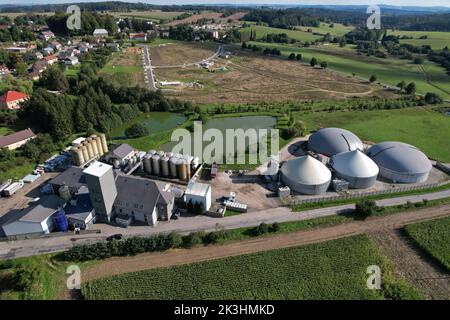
13	188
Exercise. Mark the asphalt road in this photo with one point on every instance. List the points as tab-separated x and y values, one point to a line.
30	247
148	69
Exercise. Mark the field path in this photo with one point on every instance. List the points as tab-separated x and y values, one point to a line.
413	264
120	265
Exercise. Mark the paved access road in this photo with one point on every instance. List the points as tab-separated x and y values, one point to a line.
30	247
148	69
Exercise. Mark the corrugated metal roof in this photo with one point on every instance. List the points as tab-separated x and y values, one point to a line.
197	189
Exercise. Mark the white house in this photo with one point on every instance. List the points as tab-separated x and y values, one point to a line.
71	61
100	33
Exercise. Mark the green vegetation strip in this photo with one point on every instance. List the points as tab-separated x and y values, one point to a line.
327	204
433	237
331	270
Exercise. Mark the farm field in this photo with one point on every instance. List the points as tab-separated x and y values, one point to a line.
155	15
262	31
337	29
434	237
437	40
252	78
425	129
217	16
331	270
389	71
179	53
14	15
125	68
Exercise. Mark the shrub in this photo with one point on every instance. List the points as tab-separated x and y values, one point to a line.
366	208
136	130
275	227
193	239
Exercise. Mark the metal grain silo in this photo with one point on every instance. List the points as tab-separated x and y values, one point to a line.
164	163
77	155
195	163
188	161
89	149
155	164
181	169
169	154
93	143
84	150
148	163
104	143
98	141
173	167
151	152
161	153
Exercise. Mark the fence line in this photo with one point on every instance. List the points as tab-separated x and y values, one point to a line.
295	201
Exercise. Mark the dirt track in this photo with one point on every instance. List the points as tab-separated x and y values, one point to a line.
115	266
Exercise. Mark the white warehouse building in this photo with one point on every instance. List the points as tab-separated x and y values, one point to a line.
198	193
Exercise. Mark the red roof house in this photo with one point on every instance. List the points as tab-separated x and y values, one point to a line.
12	100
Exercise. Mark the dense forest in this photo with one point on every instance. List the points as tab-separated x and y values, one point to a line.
89	22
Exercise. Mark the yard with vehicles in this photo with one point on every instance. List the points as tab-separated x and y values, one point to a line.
334	269
434	238
428	77
422	127
250	77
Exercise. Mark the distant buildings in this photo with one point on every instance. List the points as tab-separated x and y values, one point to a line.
47	35
100	33
17	139
51	59
138	36
11	100
4	71
71	61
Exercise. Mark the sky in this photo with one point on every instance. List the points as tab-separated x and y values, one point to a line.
308	2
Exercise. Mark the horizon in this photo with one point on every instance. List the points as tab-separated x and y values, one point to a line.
398	3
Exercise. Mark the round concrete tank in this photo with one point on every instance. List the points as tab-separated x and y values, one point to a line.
148	163
355	167
400	162
104	143
306	175
181	169
164	162
173	167
155	164
331	141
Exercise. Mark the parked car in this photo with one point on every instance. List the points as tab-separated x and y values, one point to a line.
117	236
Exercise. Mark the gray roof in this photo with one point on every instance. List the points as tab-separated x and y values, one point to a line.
40	211
399	157
331	141
139	193
73	177
16	137
83	207
122	151
354	164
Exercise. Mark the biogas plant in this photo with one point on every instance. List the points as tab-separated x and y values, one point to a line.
336	160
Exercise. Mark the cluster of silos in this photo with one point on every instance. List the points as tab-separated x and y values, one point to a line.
169	165
91	148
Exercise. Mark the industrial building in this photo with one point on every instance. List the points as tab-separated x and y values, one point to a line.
198	193
331	141
355	167
73	178
306	175
120	155
142	200
400	162
36	219
79	210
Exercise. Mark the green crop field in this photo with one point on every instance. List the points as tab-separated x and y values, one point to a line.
330	270
337	29
155	15
437	40
433	237
262	31
389	71
425	129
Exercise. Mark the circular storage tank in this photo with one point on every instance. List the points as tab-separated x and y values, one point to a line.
85	152
356	168
77	156
155	165
173	167
98	141
331	141
306	175
188	160
169	154
195	163
60	220
400	162
147	163
161	153
151	152
181	169
164	162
